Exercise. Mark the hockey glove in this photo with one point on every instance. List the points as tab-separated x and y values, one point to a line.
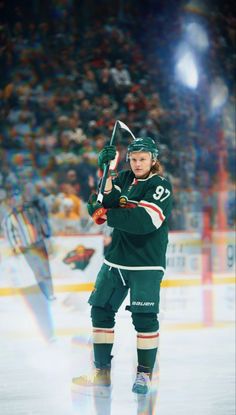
106	155
96	210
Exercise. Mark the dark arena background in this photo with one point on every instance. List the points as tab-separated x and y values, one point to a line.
68	71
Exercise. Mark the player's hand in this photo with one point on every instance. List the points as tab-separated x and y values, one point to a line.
106	155
113	165
96	210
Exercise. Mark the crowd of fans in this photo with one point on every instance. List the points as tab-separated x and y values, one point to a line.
64	82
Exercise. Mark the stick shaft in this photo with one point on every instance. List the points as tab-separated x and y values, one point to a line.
102	185
106	170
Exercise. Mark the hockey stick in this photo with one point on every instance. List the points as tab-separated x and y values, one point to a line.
118	125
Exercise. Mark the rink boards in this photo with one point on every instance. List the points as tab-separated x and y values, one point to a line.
76	259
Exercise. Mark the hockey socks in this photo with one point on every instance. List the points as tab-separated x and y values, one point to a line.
103	339
147	344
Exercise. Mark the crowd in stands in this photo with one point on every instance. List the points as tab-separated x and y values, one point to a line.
64	82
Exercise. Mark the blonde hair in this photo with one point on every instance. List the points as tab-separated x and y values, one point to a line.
157	168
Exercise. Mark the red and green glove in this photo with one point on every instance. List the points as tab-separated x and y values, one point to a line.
96	210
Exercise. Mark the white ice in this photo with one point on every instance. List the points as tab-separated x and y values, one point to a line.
196	357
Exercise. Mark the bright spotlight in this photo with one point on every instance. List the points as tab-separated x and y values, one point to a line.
197	36
218	94
186	68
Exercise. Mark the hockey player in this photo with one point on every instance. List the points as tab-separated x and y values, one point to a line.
137	205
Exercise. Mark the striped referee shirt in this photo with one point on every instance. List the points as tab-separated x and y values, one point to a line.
25	226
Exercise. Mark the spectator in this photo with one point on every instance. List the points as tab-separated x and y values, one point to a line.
121	80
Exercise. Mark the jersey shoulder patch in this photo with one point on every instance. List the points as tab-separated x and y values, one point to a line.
160	180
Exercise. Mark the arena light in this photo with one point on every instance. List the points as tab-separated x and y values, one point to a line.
197	36
186	67
218	94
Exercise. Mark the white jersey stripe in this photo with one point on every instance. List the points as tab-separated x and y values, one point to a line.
134	268
154	207
154	212
117	187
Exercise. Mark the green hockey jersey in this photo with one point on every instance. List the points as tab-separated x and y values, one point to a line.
138	210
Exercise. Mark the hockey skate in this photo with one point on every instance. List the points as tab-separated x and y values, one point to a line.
98	383
142	383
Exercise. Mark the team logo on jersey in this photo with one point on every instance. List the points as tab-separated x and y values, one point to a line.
79	257
125	203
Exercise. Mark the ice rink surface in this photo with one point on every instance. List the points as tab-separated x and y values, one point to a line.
42	348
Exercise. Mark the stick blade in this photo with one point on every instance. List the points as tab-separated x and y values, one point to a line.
125	127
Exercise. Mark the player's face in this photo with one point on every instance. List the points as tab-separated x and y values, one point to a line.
141	164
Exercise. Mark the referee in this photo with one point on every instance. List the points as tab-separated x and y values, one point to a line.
26	226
